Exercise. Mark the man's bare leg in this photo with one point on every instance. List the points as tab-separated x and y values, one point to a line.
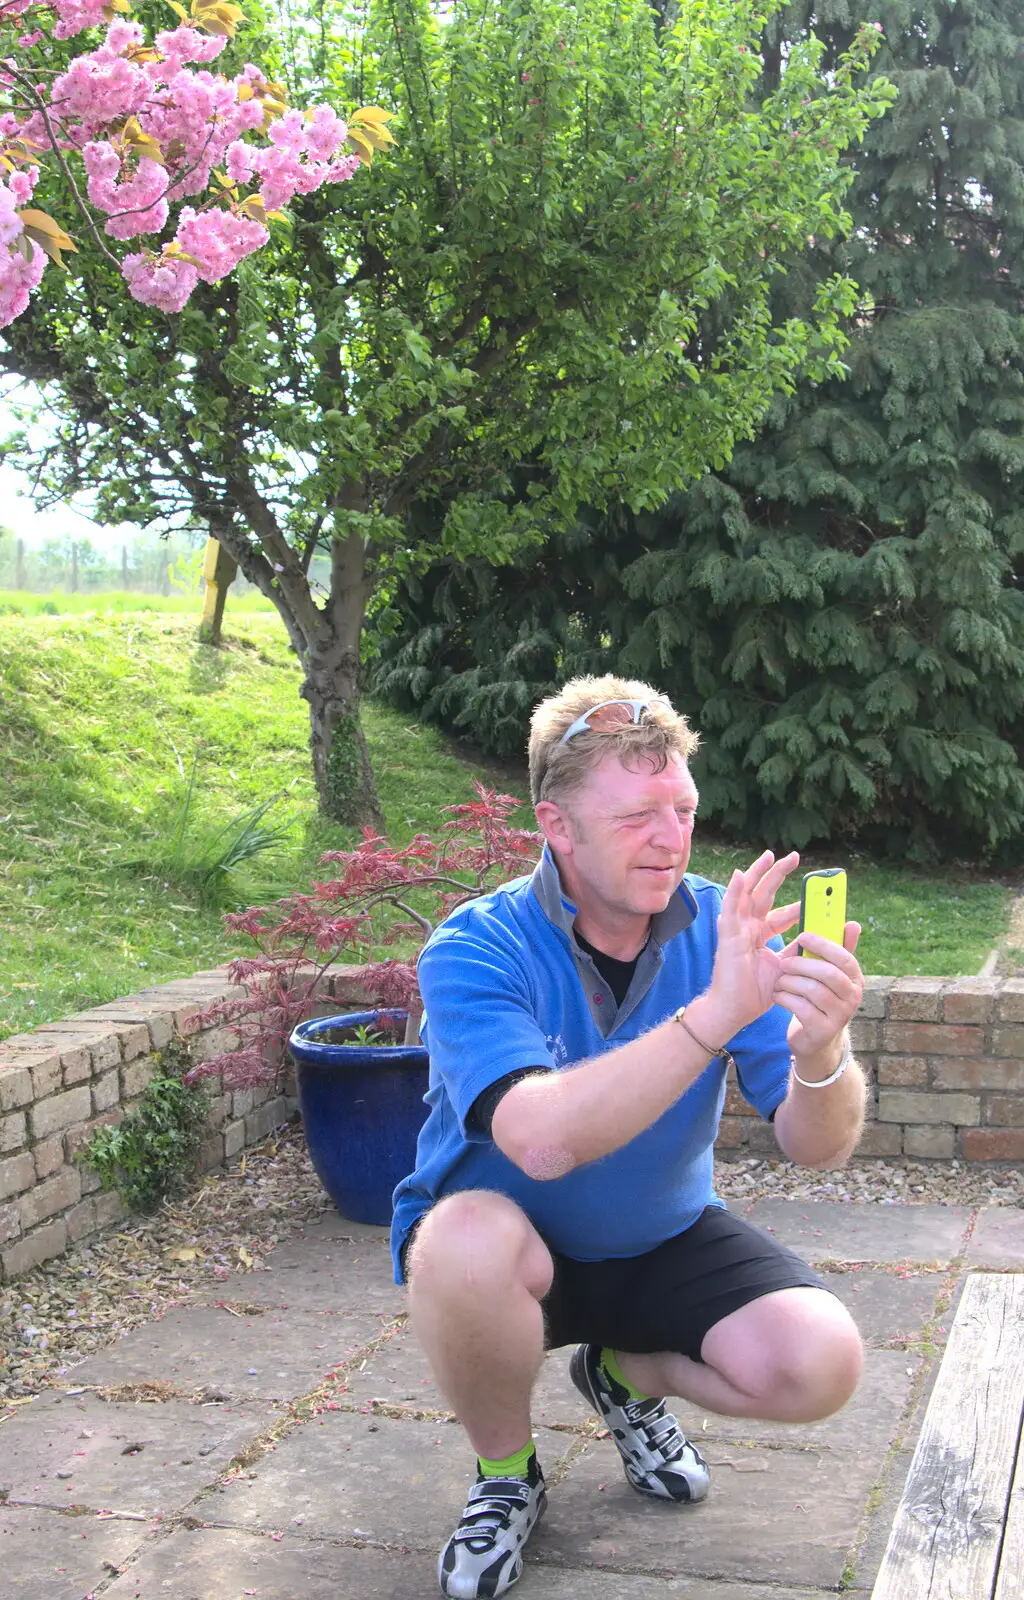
478	1271
791	1356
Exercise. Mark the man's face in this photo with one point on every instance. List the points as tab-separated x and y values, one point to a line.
623	839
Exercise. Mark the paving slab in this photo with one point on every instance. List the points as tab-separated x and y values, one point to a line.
274	1354
222	1563
868	1422
998	1239
827	1230
332	1225
351	1476
318	1275
142	1458
887	1306
45	1555
772	1517
398	1375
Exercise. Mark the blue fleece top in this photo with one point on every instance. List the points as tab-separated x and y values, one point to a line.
505	986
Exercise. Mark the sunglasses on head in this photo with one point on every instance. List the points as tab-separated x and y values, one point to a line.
611	716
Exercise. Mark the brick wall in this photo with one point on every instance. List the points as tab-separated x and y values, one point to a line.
944	1059
944	1056
63	1080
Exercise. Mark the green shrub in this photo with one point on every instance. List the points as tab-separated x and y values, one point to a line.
152	1155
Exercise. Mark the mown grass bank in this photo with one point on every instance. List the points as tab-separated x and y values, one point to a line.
105	716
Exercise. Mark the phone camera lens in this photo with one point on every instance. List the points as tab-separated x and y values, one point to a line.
828	890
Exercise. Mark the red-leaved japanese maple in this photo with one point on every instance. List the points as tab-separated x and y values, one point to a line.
380	896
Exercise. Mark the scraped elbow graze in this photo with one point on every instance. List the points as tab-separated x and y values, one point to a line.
546	1162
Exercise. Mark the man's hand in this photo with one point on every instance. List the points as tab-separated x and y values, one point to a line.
823	994
747	972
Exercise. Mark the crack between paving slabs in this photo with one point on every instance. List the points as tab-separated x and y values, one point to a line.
298	1412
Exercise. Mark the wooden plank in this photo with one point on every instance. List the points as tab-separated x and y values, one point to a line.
1010	1579
946	1536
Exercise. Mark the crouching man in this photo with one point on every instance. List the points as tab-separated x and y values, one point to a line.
580	1023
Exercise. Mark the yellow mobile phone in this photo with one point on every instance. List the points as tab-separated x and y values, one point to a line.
823	904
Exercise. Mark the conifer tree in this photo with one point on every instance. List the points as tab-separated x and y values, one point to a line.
839	609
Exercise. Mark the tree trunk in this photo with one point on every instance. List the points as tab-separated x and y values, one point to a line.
344	777
341	761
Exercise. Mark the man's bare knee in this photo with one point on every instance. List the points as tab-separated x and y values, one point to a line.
478	1240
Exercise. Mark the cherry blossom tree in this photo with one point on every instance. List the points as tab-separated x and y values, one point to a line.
151	128
553	292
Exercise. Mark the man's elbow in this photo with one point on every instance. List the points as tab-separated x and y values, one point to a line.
535	1152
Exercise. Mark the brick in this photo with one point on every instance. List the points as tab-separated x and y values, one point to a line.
904	1105
34	1248
994	1144
1005	1110
17	1173
211	1154
735	1105
969	1000
260	1094
976	1072
1008	1042
47	1076
46	1199
916	999
15	1087
76	1067
732	1134
909	1072
75	1139
60	1111
135	1078
875	1000
864	1035
90	1182
261	1122
241	1102
49	1155
880	1139
218	1112
212	1042
81	1220
130	1035
1010	1001
109	1208
761	1138
10	1223
106	1092
13	1132
70	1035
932	1039
234	1139
936	1141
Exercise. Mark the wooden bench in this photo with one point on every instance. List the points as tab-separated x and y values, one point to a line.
959	1530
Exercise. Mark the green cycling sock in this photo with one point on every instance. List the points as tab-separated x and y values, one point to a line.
610	1367
516	1466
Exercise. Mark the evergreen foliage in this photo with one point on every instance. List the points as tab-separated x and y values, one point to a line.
839	609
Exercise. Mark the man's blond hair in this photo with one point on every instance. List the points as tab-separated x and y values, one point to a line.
558	770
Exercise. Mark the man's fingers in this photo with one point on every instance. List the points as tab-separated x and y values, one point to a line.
771	880
851	936
783	917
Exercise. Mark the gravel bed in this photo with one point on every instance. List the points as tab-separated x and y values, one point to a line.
55	1316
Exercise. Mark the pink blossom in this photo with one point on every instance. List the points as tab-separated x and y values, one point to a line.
18	278
21	184
99	89
181	45
325	133
10	223
238	163
74	16
134	206
161	281
218	240
27	40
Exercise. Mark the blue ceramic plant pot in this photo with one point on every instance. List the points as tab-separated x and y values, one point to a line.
362	1110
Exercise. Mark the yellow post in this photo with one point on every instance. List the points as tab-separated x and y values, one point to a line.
219	570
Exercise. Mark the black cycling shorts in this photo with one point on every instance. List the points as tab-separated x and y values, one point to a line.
669	1298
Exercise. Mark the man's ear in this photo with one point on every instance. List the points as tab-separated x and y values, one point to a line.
556	826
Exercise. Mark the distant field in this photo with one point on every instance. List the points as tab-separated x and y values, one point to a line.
22	603
102	714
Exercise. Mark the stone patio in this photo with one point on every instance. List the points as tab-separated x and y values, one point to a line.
286	1440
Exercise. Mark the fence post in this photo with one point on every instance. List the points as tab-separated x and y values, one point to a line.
219	570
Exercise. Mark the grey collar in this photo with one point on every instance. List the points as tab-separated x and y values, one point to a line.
559	909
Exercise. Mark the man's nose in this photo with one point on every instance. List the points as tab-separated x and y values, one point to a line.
669	833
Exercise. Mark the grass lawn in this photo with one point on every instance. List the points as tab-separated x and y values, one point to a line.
104	713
